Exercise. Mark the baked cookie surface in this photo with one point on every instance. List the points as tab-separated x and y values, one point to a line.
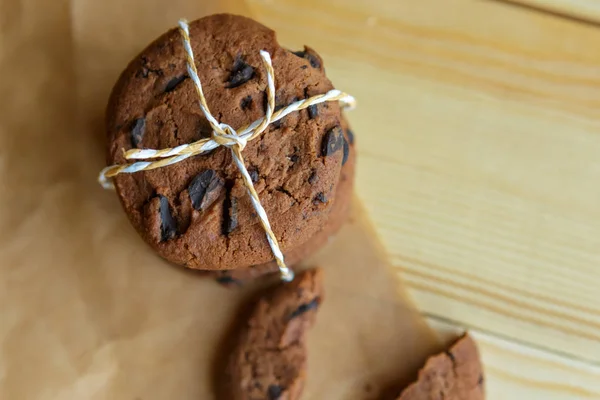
196	212
269	360
338	215
456	374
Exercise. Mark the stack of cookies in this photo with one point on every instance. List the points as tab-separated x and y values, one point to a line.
196	213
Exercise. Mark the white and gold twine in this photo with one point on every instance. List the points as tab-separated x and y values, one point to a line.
225	135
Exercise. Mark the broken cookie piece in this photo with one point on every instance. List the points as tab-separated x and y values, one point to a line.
456	374
269	361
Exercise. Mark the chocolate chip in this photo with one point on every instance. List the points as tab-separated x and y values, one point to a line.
230	210
240	74
313	178
202	189
253	172
346	151
305	307
203	130
294	158
313	111
303	66
146	70
332	142
350	135
233	211
246	103
274	392
451	357
144	60
137	131
228	281
142	73
168	225
174	82
277	124
312	59
279	104
266	101
320	198
480	380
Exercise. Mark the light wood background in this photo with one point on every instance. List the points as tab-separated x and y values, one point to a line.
588	10
479	139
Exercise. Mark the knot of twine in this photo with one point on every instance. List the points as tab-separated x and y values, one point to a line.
225	135
228	137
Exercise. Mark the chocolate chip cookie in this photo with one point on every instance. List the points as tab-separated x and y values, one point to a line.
269	361
337	216
196	212
456	374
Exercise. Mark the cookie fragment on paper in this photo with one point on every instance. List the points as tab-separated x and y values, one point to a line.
269	359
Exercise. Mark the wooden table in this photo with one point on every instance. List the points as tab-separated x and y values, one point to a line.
479	134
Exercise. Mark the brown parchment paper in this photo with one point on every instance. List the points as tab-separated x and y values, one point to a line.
87	311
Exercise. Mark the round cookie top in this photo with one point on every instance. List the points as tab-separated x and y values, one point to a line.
197	212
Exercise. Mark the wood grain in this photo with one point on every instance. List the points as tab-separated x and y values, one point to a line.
587	10
479	136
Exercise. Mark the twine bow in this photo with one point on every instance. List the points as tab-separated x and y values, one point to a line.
225	135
